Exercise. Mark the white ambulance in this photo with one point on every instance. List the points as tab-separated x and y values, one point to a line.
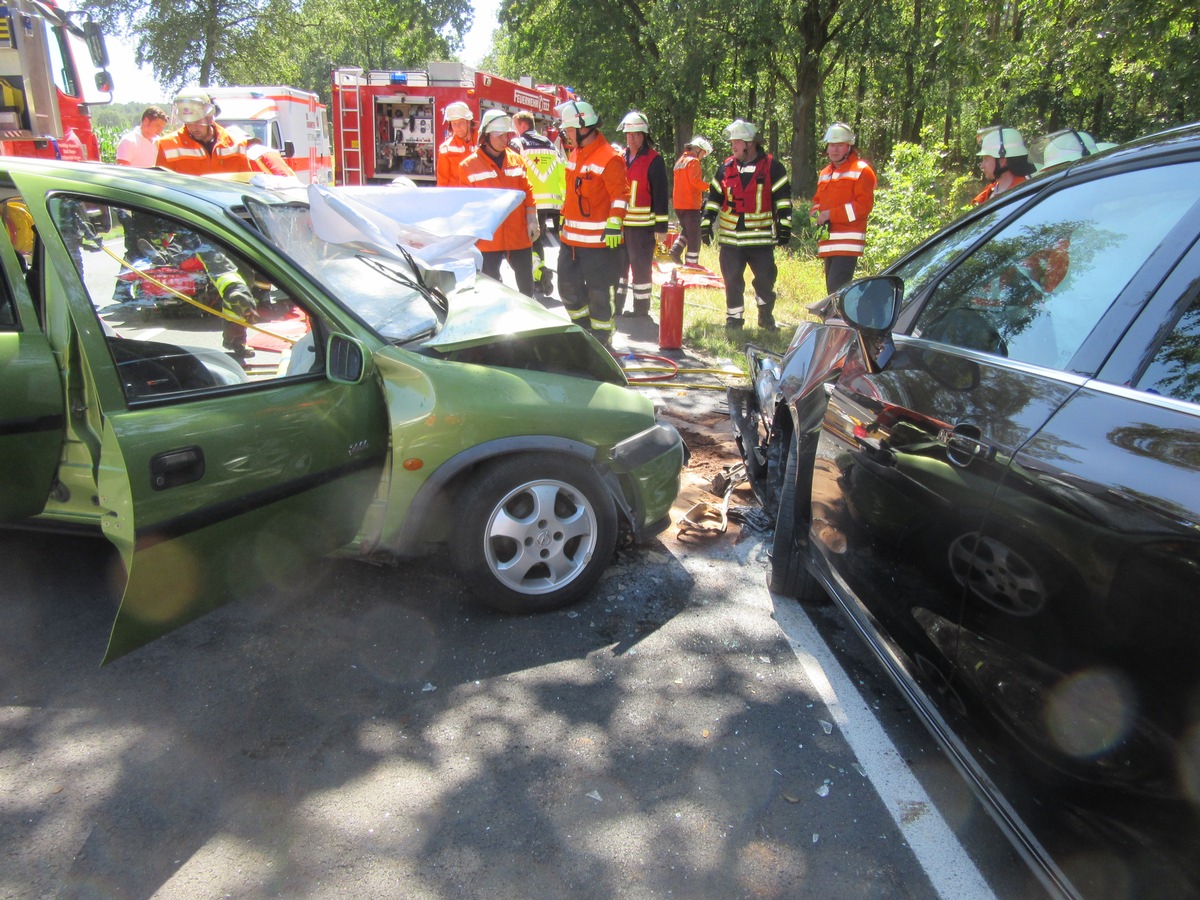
285	119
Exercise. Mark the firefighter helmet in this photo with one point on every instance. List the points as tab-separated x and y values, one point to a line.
838	133
737	130
495	120
457	110
193	105
1067	145
634	121
700	144
999	142
577	114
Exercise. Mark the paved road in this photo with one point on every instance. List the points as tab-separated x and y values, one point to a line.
367	731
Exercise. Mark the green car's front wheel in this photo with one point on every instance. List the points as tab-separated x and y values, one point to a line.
537	533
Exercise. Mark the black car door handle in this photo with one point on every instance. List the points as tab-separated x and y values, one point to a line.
175	467
964	444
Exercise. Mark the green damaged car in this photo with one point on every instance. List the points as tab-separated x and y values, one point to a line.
226	380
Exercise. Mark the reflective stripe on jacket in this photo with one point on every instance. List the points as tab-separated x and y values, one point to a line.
747	199
690	185
480	170
450	155
847	193
647	177
596	191
180	152
547	172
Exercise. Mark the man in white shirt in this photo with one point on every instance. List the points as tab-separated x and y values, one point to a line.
137	146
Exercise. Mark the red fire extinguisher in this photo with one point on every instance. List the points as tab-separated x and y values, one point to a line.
670	315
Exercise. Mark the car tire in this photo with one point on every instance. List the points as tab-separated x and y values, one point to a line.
789	576
537	534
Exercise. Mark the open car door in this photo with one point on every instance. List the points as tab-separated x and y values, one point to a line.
31	394
218	479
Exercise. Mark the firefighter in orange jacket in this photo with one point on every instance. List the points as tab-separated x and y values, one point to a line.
845	197
200	146
688	200
494	165
593	215
458	146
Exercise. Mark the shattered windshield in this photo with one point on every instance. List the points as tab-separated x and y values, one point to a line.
398	298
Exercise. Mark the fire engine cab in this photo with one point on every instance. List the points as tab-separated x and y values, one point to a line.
389	124
42	107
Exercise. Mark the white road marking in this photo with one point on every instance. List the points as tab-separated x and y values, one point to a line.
946	863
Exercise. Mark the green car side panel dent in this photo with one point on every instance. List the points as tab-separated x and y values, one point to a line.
269	481
440	409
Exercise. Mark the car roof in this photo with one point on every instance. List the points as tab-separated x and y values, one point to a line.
224	192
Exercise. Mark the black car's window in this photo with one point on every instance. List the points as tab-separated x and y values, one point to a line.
1175	369
1035	290
182	312
923	266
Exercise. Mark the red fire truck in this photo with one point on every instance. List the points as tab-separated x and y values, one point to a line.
42	108
389	124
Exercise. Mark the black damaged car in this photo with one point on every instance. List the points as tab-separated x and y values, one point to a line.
989	458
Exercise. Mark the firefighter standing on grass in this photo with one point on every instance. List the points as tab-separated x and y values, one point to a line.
202	147
750	202
646	217
458	146
494	165
845	197
597	195
688	200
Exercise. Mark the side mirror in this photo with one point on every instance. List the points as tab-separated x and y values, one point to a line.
104	82
94	38
346	361
871	306
289	149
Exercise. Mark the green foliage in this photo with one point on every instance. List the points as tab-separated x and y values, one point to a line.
108	137
911	203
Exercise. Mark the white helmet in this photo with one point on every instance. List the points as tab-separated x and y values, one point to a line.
1000	142
700	144
737	130
495	120
1068	145
192	105
634	121
457	110
838	133
577	114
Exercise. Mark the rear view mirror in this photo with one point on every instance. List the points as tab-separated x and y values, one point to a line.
104	82
872	304
94	38
289	149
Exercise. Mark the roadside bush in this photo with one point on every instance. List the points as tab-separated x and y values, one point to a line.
913	201
108	137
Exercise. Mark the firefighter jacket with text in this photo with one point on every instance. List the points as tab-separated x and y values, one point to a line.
547	169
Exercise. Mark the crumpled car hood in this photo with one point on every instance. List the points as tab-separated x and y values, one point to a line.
484	310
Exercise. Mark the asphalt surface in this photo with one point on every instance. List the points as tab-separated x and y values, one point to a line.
366	731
